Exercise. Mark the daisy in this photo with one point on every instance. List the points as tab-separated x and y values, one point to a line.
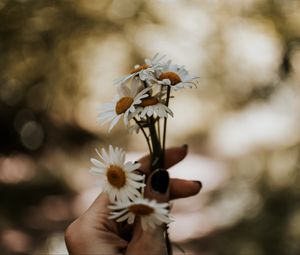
151	213
144	71
122	183
177	77
152	105
123	104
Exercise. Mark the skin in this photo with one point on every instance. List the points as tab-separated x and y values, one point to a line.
93	233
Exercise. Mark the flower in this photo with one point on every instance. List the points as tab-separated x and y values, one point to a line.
151	213
177	77
123	104
122	183
144	71
152	105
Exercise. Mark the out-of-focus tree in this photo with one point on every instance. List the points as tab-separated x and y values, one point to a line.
58	59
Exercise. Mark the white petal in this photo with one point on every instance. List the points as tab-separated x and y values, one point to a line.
131	217
105	157
114	122
123	218
150	111
143	113
96	171
97	163
115	215
135	184
136	177
129	167
144	223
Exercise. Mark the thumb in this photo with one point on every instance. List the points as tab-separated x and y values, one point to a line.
97	214
151	241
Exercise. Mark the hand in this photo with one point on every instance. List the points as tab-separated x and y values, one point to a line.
94	233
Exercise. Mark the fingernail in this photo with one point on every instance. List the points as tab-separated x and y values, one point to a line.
160	181
199	183
185	146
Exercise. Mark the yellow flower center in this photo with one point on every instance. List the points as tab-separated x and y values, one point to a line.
141	210
116	176
149	101
173	77
123	104
139	68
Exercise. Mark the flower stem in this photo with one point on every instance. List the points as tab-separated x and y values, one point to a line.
157	156
168	242
165	123
158	129
145	135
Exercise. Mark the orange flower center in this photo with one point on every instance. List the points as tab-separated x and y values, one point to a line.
149	101
141	210
139	68
116	176
123	104
173	77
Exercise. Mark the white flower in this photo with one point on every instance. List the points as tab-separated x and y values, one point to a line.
122	183
123	104
151	213
144	71
177	77
152	105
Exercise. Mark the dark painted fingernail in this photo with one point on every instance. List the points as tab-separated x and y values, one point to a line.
160	181
185	146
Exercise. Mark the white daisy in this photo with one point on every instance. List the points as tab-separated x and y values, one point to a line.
122	183
177	77
144	71
123	104
151	213
152	105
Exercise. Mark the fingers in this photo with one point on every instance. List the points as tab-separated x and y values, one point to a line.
172	157
158	186
93	233
148	242
183	188
178	188
99	206
98	213
151	239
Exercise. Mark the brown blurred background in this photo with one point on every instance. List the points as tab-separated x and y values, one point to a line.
58	60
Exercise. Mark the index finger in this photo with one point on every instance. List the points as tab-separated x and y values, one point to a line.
172	157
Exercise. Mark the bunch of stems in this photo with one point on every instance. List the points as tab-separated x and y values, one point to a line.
151	129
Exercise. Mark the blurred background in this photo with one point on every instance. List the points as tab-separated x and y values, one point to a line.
58	60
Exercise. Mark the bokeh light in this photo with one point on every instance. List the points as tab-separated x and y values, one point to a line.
58	63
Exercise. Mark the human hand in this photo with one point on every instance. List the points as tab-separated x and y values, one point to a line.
94	233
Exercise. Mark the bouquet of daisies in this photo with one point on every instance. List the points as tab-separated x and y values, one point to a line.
142	102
